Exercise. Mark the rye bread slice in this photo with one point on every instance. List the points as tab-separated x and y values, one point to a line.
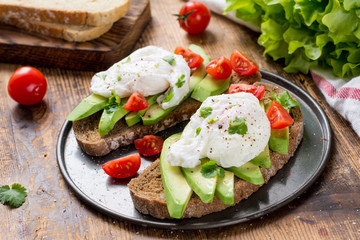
147	189
87	132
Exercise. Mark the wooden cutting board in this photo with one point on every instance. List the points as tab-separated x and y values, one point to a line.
39	50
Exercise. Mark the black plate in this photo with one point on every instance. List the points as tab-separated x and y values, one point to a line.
111	196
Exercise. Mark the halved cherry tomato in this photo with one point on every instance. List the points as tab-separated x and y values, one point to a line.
136	102
123	167
27	86
241	64
194	17
278	116
219	68
256	91
149	145
193	60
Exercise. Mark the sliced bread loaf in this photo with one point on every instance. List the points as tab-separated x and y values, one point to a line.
68	32
147	189
87	131
85	12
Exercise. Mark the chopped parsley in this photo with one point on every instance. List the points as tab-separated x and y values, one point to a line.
180	82
157	65
211	120
169	59
169	96
113	104
238	126
205	111
138	74
210	169
284	99
197	131
119	78
127	60
13	197
112	92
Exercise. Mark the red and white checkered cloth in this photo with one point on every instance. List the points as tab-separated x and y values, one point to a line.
341	94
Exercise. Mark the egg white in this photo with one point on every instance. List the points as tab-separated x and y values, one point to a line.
145	71
214	141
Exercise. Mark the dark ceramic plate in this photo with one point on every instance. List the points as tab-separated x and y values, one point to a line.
111	196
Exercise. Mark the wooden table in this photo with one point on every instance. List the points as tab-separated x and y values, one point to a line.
330	209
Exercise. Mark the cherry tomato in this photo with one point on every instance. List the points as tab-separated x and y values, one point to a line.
149	145
136	102
256	91
219	68
123	167
193	60
194	17
27	86
241	64
278	116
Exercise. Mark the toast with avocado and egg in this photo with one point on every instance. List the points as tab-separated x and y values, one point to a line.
153	191
100	128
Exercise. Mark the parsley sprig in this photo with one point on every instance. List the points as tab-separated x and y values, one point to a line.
284	99
210	169
238	126
205	112
13	197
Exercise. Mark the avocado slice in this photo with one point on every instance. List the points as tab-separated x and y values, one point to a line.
263	159
279	140
225	188
109	117
177	190
200	72
210	86
134	117
202	186
249	172
87	107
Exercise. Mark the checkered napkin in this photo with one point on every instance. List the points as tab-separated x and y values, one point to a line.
341	94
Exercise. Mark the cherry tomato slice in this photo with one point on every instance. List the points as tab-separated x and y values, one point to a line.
219	68
278	116
136	102
258	92
149	145
241	64
123	167
27	86
193	60
194	17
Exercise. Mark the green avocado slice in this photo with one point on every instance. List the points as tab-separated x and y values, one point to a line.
87	107
249	172
176	188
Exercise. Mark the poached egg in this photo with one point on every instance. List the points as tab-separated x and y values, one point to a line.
148	71
210	132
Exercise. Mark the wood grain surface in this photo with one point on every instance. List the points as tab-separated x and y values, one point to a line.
20	47
329	209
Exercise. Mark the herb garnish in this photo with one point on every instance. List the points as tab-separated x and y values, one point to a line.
180	82
210	169
169	59
197	131
211	120
169	96
238	126
13	197
205	111
284	99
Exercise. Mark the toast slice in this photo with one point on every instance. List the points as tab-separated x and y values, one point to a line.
85	12
147	189
68	32
87	132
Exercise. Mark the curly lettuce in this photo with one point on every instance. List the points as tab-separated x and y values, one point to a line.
306	33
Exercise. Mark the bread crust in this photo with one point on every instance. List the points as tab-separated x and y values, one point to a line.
64	16
68	32
147	189
87	133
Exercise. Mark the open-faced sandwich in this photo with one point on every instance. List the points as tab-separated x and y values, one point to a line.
241	131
